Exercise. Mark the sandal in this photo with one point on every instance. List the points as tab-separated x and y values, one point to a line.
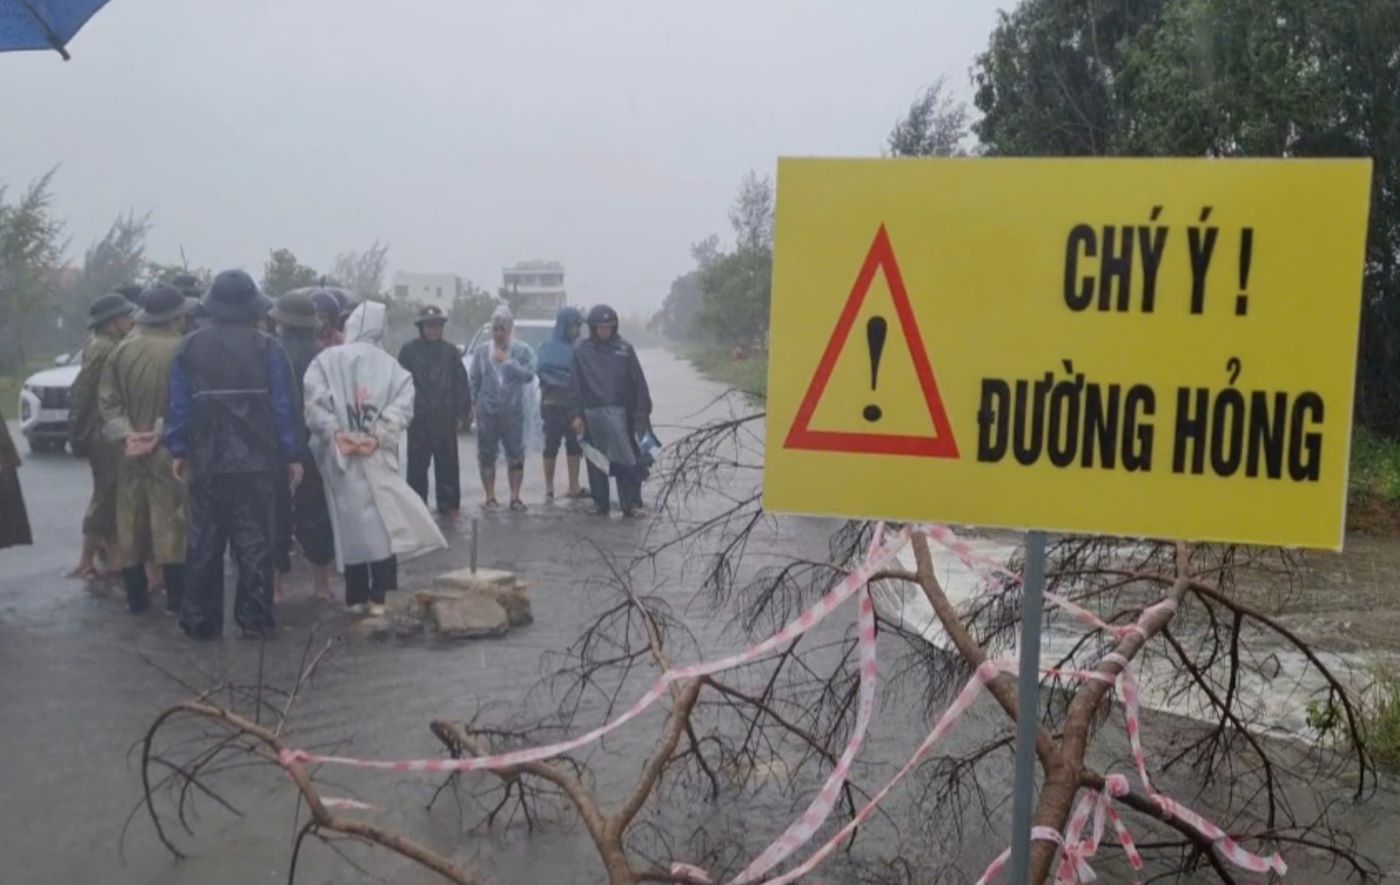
518	506
581	494
491	504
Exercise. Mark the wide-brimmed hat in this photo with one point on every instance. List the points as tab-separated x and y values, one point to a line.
295	309
233	296
430	314
162	303
109	307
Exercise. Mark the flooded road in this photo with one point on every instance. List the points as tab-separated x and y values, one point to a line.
82	681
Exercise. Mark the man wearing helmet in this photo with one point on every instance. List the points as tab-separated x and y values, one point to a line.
612	409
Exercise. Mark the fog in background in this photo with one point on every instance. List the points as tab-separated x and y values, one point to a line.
468	135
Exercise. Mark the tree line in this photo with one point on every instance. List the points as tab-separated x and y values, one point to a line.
45	294
1188	78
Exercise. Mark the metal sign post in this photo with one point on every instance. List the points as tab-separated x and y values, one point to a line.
1028	707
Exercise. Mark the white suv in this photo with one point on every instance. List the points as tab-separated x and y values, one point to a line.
43	404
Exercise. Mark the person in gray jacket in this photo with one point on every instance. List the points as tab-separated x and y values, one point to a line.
501	371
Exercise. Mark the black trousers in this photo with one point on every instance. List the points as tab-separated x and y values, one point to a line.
629	487
138	589
439	446
234	511
371	581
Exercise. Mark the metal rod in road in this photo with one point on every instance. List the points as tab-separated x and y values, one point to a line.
1028	707
473	559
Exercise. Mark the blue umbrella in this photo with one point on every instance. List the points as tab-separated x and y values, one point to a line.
43	24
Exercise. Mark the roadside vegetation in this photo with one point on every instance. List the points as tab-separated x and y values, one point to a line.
1373	504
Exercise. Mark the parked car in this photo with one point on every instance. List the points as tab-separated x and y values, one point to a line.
44	399
532	332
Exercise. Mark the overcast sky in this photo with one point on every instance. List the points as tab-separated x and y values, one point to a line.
467	134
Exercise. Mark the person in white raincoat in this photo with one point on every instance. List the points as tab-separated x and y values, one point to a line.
358	401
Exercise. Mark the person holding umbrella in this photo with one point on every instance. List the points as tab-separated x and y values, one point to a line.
109	318
150	500
442	399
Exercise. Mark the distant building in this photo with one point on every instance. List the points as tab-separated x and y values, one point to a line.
535	288
439	289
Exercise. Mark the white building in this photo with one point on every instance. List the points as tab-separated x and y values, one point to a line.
536	288
439	289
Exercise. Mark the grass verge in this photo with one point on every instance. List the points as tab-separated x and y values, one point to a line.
748	376
1373	504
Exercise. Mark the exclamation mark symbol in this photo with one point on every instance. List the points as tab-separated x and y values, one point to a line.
1246	257
875	329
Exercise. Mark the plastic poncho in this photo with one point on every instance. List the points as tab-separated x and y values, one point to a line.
358	388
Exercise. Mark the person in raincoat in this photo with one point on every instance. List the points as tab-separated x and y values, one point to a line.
611	410
302	512
231	428
442	400
132	400
358	401
501	368
556	369
14	519
109	318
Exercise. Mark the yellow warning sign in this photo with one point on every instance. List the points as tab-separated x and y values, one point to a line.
1159	348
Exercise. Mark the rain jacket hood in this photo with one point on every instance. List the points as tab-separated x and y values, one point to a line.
556	356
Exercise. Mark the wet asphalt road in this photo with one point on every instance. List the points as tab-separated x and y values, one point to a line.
80	681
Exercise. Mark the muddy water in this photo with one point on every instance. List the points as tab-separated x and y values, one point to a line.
81	681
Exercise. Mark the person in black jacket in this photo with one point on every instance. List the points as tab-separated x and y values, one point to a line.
232	429
302	513
442	398
611	406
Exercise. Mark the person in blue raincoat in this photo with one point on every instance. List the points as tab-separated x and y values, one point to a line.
501	370
556	370
612	409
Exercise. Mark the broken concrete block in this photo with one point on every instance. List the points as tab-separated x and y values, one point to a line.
469	617
404	605
511	597
372	628
466	579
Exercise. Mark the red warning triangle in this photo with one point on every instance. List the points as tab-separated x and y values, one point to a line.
802	436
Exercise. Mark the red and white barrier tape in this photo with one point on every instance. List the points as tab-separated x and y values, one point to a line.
810	618
1094	805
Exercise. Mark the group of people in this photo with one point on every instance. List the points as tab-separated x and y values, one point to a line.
221	423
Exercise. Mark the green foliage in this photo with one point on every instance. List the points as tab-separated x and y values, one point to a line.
1293	78
737	287
117	259
1375	468
1381	712
735	293
362	272
677	319
31	247
162	272
472	308
935	126
283	273
748	376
